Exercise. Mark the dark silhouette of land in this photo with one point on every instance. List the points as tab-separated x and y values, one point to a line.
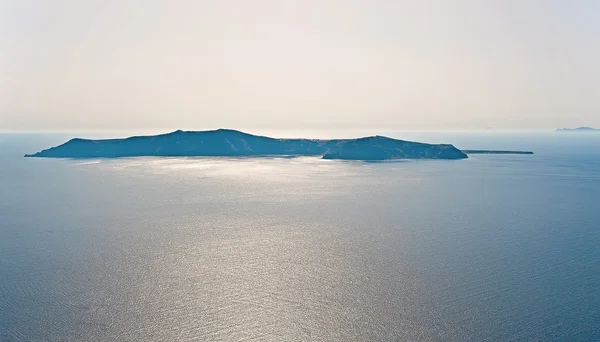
225	142
231	143
495	152
578	130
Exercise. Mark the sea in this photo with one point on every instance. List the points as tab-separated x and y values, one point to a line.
491	248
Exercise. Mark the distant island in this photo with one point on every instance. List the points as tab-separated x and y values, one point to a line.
579	129
232	143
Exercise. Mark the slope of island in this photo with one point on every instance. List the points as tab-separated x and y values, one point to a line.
231	143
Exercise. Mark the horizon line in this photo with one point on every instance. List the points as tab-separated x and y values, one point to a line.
154	131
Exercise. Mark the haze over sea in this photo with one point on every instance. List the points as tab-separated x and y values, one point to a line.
492	248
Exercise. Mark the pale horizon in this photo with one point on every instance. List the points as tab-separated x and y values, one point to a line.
154	66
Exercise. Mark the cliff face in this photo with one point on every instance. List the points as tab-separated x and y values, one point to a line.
224	142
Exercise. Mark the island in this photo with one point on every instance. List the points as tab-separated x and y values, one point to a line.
578	130
232	143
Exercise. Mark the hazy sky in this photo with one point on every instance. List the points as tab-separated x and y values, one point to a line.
424	65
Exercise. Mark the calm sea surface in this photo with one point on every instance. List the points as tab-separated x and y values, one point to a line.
493	248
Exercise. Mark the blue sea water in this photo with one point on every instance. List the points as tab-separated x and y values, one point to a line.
492	248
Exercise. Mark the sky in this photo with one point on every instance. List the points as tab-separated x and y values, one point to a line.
340	64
